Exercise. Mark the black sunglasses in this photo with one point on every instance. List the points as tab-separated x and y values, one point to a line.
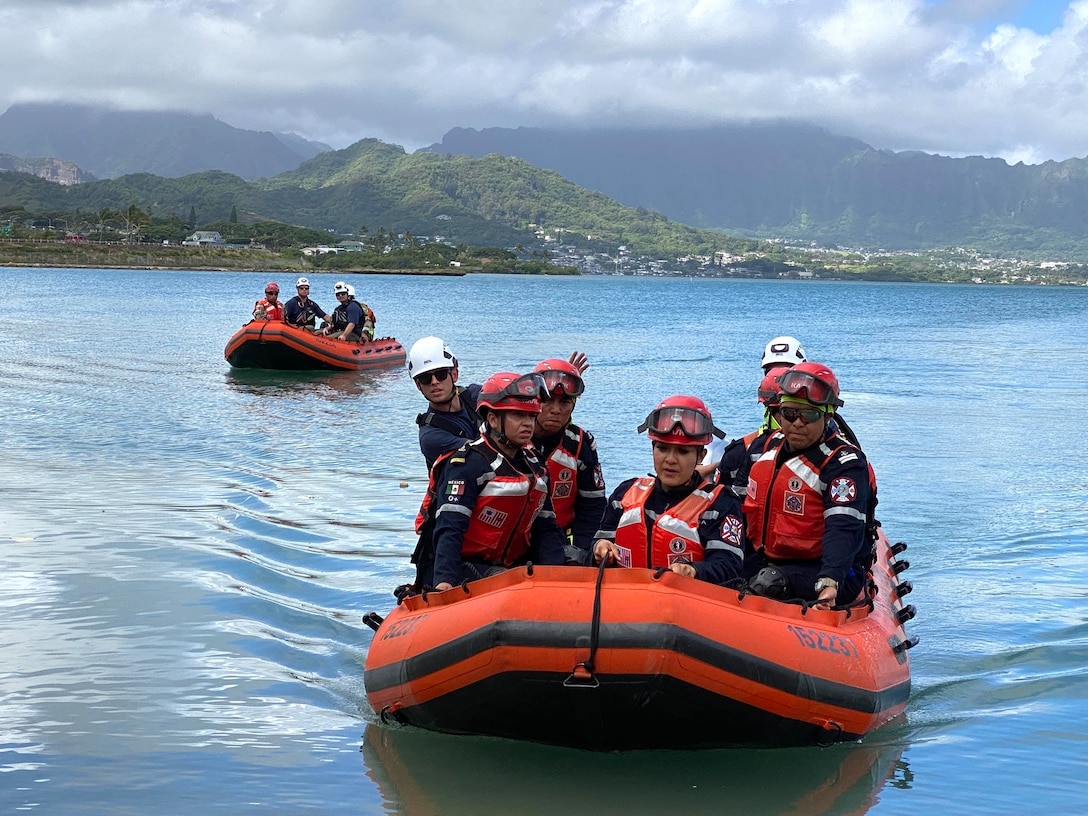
438	375
806	415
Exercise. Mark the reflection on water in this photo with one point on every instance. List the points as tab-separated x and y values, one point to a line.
331	385
423	773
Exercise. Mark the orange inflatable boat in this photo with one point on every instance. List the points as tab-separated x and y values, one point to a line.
273	344
635	658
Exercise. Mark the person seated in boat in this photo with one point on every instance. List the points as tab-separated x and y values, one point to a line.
809	499
490	498
300	310
570	453
270	308
367	327
677	518
346	319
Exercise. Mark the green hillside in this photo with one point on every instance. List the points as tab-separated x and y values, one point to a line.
489	201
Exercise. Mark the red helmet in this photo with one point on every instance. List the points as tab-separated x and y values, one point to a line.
272	287
507	391
769	392
680	420
811	381
561	377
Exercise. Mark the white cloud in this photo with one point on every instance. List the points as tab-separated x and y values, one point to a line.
956	77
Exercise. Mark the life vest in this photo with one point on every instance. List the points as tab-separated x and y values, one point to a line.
272	311
562	464
507	506
674	536
784	503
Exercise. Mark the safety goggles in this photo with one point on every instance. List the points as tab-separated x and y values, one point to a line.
804	385
793	413
427	377
527	386
692	423
569	384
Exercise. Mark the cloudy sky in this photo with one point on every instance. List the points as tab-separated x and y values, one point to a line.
993	77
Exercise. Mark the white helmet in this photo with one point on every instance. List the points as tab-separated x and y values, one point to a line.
427	354
783	350
302	282
351	291
339	287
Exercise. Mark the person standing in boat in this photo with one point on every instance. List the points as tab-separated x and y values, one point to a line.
270	308
677	518
300	310
570	453
450	419
809	498
490	498
346	319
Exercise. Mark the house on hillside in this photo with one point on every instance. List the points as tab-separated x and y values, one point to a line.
204	238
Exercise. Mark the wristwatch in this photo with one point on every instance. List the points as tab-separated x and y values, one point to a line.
824	583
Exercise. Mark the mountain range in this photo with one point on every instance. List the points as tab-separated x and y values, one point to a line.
798	181
111	143
767	180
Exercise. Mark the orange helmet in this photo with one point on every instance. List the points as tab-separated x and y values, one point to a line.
507	391
811	381
681	420
769	392
561	377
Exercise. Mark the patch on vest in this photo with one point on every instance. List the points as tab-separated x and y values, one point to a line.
678	545
794	504
492	517
843	490
561	490
565	475
455	488
732	530
794	485
623	556
598	478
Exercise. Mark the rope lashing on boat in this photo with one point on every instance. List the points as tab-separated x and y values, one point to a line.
581	676
373	620
833	729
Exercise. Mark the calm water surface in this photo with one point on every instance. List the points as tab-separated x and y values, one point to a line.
186	550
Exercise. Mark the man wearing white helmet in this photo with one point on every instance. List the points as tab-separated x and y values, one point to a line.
346	319
300	310
782	352
450	419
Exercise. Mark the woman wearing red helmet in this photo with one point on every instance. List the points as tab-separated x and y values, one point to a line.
677	518
570	454
809	498
490	498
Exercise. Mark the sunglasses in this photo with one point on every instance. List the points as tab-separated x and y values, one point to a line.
692	423
427	377
271	294
806	415
561	381
302	287
802	384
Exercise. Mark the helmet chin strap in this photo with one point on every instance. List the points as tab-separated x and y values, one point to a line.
500	435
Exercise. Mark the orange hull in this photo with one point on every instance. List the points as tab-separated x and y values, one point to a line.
676	663
275	345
